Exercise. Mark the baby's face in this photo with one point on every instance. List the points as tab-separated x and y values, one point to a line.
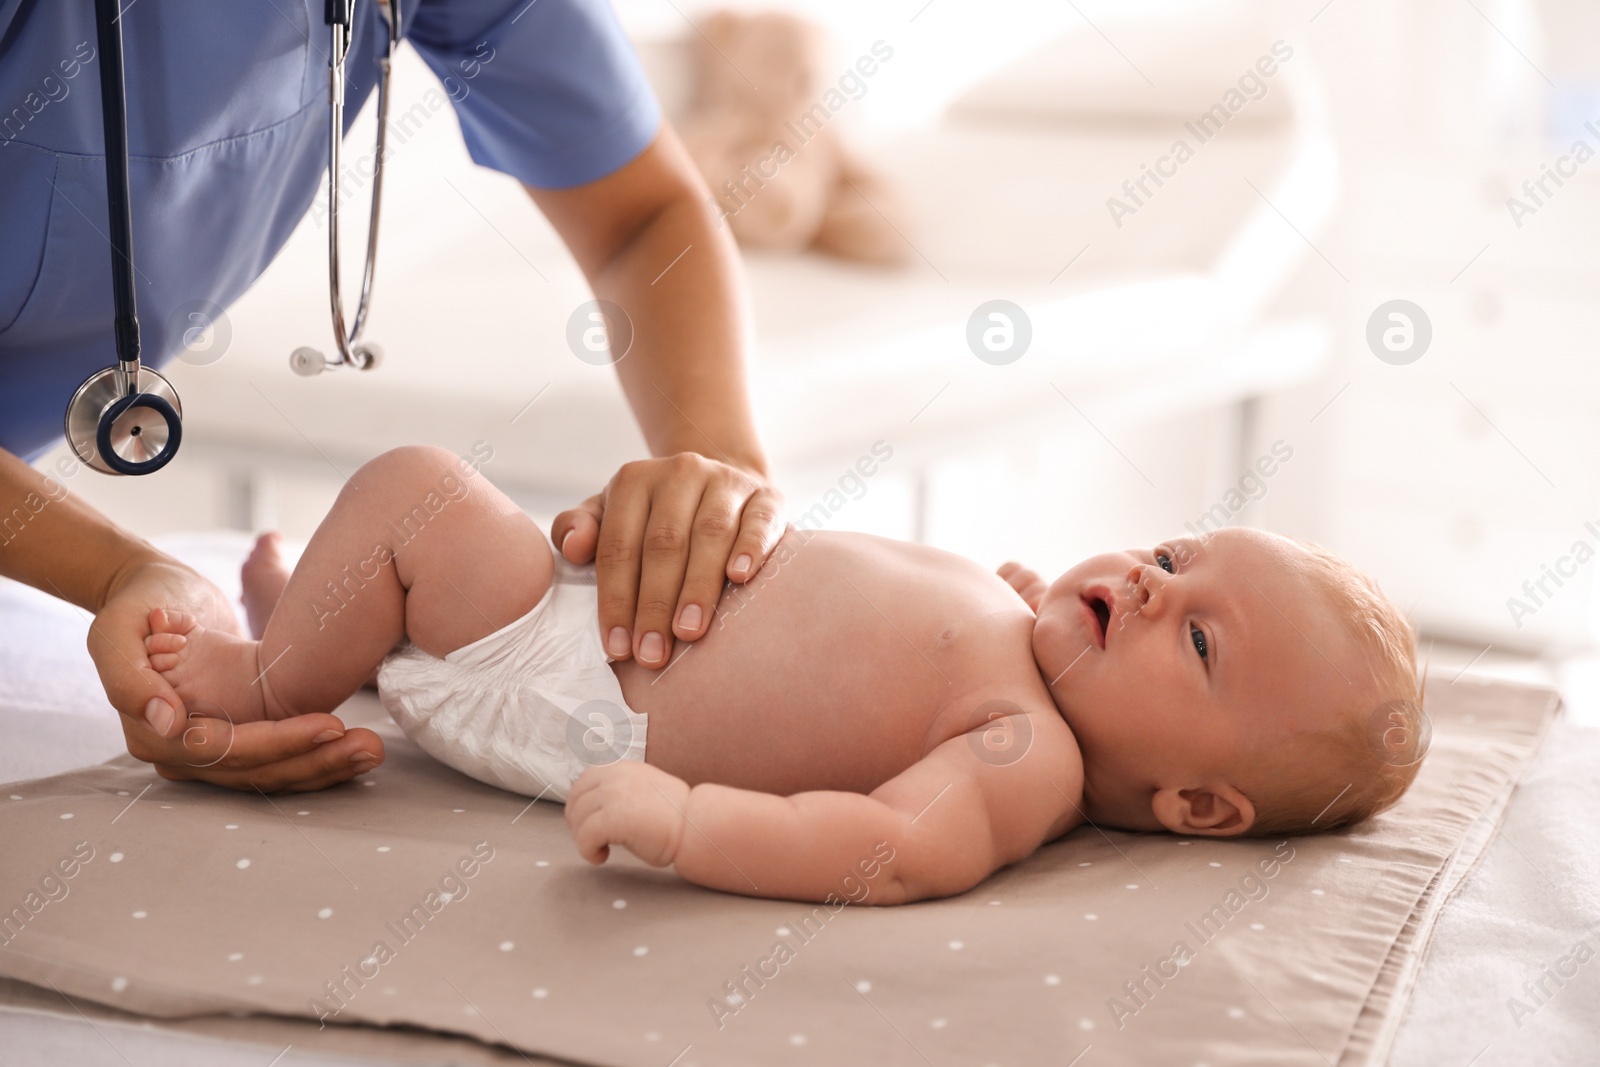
1168	662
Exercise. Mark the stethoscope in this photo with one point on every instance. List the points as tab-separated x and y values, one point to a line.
127	419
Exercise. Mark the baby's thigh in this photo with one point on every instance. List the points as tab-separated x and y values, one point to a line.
471	561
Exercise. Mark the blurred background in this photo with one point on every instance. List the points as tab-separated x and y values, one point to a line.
1356	308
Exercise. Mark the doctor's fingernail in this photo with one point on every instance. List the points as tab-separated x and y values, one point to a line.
159	714
741	563
652	647
326	736
567	537
689	618
617	642
358	756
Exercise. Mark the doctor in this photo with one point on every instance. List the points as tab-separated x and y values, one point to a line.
227	130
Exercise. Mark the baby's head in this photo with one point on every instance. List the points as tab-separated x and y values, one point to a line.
1243	683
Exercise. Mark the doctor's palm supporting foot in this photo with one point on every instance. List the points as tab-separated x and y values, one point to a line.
69	550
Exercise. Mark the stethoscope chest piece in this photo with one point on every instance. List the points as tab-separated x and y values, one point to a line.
116	430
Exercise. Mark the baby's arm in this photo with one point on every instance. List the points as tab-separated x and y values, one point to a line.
939	828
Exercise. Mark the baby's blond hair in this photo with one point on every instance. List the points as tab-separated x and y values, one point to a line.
1369	755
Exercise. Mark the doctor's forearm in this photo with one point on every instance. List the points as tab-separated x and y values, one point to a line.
647	240
53	541
680	281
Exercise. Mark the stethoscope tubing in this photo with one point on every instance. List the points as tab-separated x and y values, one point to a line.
114	119
340	15
101	403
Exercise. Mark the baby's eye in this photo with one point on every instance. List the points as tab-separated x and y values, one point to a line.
1164	561
1199	640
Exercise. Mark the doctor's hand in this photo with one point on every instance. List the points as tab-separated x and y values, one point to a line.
303	753
664	533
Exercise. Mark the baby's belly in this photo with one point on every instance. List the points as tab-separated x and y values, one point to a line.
830	674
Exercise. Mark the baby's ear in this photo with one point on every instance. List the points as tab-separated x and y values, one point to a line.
1218	810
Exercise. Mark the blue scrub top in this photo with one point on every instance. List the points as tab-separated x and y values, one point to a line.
227	136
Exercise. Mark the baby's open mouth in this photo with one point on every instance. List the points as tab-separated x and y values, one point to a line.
1102	617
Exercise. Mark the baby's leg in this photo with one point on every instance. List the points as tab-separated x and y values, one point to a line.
262	579
415	547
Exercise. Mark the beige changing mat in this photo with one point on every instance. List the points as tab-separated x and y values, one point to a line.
429	900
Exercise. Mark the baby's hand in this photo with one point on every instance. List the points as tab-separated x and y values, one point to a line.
1029	586
630	804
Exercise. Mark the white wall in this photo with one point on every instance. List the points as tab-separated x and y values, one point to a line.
1453	479
1460	476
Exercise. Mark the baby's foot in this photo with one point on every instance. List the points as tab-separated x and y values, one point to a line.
263	578
214	672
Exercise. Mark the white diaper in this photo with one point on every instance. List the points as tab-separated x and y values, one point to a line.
526	708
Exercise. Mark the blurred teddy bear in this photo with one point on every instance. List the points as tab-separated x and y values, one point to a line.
780	175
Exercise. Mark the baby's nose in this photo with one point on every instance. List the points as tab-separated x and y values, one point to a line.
1137	584
1146	581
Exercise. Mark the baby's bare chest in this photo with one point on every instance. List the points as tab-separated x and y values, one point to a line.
844	663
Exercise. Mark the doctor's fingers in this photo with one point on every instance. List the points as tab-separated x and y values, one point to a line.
576	531
715	522
619	549
713	534
300	774
144	700
675	525
269	755
761	524
117	635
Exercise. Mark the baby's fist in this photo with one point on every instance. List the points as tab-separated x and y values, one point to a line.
630	804
1029	586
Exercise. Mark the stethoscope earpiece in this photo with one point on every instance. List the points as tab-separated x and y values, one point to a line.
309	362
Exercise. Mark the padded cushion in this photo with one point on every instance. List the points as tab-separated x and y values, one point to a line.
626	965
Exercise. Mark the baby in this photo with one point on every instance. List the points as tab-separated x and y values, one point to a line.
860	707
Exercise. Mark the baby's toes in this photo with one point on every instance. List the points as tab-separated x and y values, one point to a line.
164	649
165	642
269	541
166	621
267	552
